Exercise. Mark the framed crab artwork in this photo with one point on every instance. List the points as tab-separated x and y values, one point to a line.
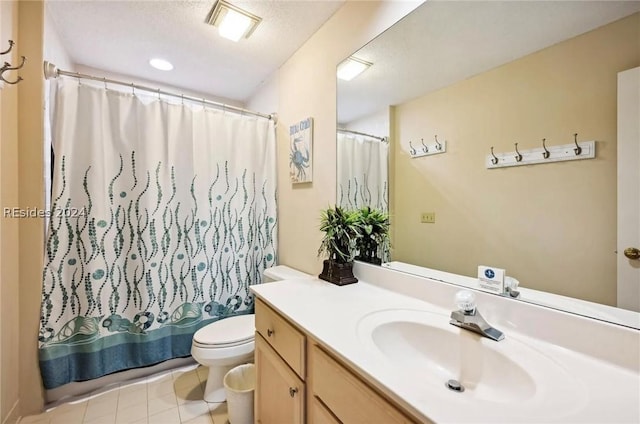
301	151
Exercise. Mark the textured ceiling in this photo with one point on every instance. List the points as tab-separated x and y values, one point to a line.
121	37
442	42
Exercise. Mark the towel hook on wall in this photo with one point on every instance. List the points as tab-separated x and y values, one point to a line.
578	149
518	155
411	149
438	144
11	43
7	67
425	148
546	153
494	160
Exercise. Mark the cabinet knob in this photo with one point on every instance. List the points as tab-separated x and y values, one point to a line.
293	391
269	332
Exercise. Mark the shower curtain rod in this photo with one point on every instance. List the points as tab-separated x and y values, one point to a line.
51	71
361	133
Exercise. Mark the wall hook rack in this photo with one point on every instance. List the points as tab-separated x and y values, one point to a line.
573	151
7	67
428	149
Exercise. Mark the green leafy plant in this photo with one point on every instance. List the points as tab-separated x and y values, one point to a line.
341	229
374	241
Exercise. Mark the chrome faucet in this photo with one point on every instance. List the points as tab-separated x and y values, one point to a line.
511	287
468	317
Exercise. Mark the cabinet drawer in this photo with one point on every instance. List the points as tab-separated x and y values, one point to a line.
282	336
348	397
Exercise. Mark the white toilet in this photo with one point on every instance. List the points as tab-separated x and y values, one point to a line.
228	342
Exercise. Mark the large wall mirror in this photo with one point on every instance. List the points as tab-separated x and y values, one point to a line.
488	74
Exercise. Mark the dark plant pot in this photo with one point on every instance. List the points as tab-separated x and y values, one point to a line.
369	253
337	273
370	260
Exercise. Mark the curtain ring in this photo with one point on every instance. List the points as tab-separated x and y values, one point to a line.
182	99
133	89
104	80
159	94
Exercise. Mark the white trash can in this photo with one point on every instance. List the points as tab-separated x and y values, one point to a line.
240	385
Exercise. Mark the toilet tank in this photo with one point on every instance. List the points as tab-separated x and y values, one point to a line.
282	272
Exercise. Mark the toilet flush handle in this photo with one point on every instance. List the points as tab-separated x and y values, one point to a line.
269	332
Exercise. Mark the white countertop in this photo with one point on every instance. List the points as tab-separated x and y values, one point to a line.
596	391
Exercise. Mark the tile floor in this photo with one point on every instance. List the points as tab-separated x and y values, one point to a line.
170	397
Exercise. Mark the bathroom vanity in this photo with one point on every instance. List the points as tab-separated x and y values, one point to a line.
383	350
297	377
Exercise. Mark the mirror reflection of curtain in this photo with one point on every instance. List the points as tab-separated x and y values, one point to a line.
362	174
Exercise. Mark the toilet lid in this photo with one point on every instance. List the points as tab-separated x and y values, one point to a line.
228	331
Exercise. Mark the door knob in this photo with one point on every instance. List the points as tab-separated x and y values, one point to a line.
632	253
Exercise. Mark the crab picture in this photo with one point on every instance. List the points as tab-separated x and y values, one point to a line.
298	162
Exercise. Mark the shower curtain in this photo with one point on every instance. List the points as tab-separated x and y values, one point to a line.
162	216
362	173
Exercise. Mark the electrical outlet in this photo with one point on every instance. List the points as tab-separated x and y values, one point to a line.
428	217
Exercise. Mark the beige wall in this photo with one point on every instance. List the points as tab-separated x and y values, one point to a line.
307	88
9	273
552	226
31	195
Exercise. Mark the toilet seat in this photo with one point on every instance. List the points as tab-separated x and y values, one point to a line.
228	332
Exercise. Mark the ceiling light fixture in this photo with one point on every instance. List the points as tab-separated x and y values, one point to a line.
161	64
351	67
232	22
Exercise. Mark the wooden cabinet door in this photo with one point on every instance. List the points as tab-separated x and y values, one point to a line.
280	394
319	414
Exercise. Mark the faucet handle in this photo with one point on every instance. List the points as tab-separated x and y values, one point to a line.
511	287
465	301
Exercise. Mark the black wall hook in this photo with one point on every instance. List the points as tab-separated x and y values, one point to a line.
495	158
425	148
7	67
546	153
578	149
438	144
518	155
411	149
11	43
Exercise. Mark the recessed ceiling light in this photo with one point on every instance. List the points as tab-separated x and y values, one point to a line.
351	67
232	22
161	64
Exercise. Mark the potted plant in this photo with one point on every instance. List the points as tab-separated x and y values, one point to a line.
373	244
341	229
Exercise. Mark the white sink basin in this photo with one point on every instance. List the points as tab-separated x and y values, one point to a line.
422	347
485	373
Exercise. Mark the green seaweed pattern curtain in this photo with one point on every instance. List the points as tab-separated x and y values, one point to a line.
362	172
162	216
